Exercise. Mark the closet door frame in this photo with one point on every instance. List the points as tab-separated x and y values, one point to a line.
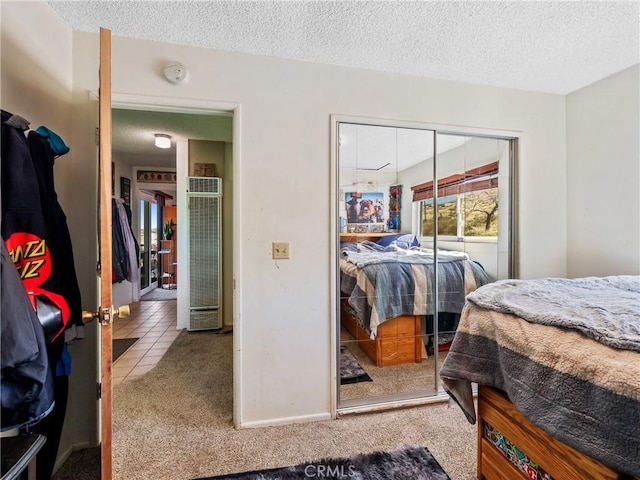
399	400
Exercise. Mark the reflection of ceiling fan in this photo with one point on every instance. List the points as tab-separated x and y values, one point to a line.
375	169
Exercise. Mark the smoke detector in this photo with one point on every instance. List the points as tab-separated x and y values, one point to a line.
176	72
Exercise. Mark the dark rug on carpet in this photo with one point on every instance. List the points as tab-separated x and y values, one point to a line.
408	463
350	369
121	345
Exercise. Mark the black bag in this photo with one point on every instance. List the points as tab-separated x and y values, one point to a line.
50	317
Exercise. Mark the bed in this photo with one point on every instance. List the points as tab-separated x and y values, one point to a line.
387	292
557	363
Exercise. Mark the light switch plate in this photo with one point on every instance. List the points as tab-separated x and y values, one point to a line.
280	250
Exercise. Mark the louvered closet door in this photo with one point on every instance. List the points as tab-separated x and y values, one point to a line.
204	262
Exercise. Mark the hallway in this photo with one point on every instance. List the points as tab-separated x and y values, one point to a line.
154	323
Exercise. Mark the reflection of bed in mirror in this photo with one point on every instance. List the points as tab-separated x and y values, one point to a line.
558	367
387	291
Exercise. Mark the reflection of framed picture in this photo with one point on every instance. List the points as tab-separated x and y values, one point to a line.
125	190
365	207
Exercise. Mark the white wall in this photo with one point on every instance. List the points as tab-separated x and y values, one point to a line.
36	78
603	184
283	316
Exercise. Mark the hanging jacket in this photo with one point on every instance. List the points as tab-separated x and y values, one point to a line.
23	226
119	262
130	243
26	383
58	237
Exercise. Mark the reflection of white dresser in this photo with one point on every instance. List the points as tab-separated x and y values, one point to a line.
204	227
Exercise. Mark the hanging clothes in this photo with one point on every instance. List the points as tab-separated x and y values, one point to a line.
124	245
40	249
59	239
119	262
29	235
129	242
27	381
127	210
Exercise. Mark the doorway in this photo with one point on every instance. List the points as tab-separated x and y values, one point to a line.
148	241
195	123
191	129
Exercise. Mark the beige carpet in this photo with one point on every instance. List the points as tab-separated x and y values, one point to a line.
175	423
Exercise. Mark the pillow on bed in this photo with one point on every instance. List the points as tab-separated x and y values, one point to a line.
407	241
402	240
386	240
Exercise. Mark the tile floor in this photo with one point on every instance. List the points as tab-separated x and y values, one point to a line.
154	323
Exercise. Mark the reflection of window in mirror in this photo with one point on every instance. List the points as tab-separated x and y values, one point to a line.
448	217
468	215
481	213
470	212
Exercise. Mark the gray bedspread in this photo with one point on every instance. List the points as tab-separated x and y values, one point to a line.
582	391
369	253
606	309
380	289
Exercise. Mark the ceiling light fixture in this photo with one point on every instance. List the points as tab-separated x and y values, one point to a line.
163	140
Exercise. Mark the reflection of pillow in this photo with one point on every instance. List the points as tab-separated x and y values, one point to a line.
406	240
387	240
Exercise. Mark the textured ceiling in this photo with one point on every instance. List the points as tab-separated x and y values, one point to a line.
548	46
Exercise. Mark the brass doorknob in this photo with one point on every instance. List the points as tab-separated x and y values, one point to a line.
122	311
88	315
105	315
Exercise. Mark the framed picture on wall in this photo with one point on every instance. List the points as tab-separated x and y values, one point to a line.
204	170
125	190
365	207
152	176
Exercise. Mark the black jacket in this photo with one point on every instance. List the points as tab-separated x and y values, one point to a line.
26	380
39	246
58	237
120	260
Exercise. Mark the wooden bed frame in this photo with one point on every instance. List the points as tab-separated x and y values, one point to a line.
398	340
558	459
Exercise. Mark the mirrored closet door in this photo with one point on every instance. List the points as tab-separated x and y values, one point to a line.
423	218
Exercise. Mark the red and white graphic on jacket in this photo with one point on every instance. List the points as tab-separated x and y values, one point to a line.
33	261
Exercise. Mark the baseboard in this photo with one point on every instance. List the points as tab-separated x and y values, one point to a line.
284	421
64	456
